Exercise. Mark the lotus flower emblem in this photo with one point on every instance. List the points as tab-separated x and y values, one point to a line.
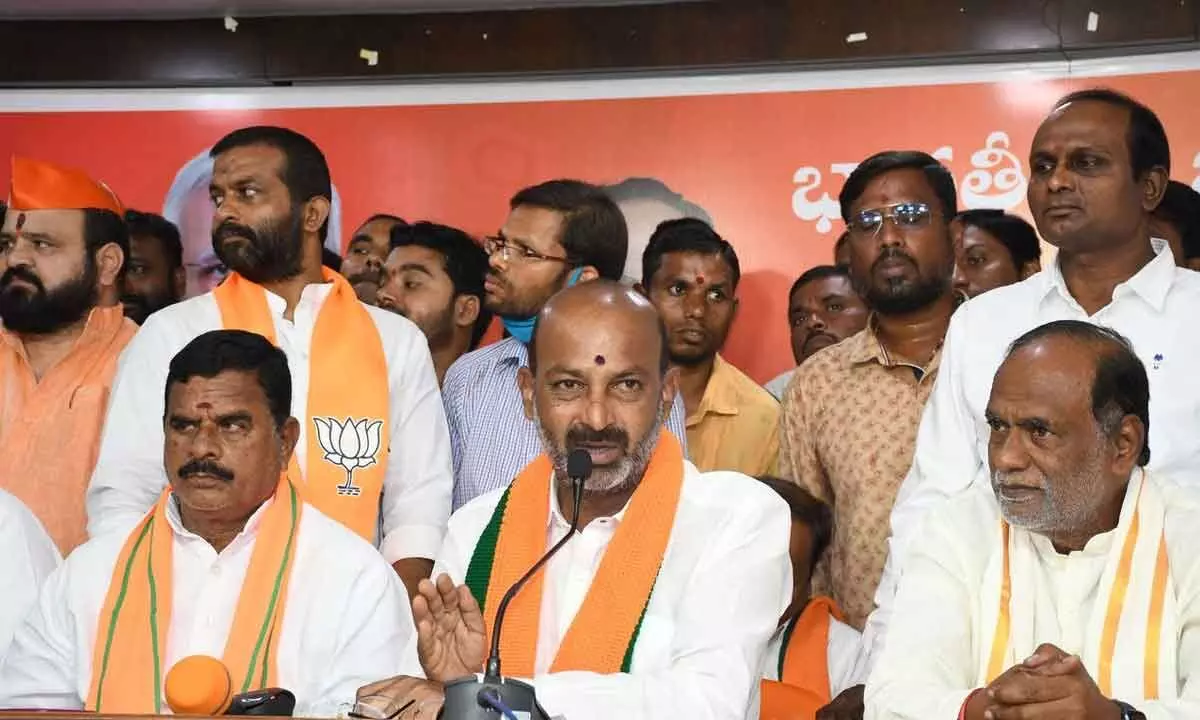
350	445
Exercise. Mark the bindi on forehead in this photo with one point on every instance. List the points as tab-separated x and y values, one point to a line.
599	360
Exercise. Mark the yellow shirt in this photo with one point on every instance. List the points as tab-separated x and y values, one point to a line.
50	429
736	426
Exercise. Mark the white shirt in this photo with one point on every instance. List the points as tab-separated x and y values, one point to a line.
27	557
1156	309
779	385
930	662
842	657
346	620
724	582
130	475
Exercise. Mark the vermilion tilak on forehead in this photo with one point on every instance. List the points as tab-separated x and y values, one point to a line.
599	359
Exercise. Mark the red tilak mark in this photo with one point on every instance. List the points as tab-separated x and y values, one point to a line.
700	279
20	222
599	359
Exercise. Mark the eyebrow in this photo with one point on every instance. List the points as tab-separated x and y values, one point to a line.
30	234
414	267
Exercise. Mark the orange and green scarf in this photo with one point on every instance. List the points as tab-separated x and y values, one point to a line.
135	620
803	686
348	385
603	634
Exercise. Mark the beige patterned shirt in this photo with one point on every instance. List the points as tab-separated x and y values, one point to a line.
848	427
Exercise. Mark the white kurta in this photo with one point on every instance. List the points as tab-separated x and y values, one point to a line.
724	582
129	473
929	662
347	617
1156	310
27	557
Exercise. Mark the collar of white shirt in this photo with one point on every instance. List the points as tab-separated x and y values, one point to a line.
1151	283
249	531
555	517
313	295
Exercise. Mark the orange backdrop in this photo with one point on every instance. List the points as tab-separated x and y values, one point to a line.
766	166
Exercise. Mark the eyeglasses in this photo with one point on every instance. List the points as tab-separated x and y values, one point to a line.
905	216
510	251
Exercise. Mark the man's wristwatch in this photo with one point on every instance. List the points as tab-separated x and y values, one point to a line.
1129	712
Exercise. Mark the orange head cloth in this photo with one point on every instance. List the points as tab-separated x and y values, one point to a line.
38	185
199	685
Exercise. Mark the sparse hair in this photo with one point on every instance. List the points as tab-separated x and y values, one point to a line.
218	351
1120	386
687	235
1146	136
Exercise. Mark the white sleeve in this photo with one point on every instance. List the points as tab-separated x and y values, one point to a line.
27	557
39	671
373	630
926	669
129	474
419	480
946	461
732	607
843	657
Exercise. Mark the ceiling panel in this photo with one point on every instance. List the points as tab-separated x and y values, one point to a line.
128	9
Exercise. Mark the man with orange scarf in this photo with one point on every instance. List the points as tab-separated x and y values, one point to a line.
662	604
374	451
230	562
1071	588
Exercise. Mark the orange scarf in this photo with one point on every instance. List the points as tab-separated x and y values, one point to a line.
602	635
347	444
803	686
135	621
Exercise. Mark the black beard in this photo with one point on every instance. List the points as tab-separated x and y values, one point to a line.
40	312
268	254
906	297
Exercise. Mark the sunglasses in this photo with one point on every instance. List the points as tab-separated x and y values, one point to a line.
905	216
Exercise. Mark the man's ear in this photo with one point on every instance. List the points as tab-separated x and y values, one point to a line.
1130	439
586	273
1154	186
110	258
466	310
289	435
316	212
179	282
670	388
525	381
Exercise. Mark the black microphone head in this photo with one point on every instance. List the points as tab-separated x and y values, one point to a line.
579	464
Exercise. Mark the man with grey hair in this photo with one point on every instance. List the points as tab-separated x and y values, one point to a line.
1071	587
188	204
675	577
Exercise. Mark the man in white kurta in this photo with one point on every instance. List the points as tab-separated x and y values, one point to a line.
1087	561
344	614
415	500
27	557
704	555
1140	293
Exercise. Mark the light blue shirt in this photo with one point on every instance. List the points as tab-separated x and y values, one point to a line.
491	439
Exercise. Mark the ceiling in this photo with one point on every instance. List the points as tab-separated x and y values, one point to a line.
127	9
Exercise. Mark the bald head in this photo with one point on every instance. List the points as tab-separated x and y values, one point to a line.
598	380
582	306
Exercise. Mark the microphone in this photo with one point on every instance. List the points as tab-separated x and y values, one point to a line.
468	699
201	685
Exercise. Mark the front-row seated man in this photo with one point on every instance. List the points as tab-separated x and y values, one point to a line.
813	656
662	605
1077	594
230	563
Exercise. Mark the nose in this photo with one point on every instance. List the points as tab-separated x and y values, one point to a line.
694	305
19	254
597	415
1061	178
1006	452
496	261
815	323
960	278
374	263
204	442
890	235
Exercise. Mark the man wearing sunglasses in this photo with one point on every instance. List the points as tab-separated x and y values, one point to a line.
850	414
558	234
1099	167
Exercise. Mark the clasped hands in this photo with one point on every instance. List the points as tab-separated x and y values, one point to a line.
1050	685
451	644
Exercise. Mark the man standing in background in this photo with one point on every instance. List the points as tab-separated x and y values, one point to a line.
363	262
823	309
154	274
434	277
1177	220
691	275
993	249
850	415
62	249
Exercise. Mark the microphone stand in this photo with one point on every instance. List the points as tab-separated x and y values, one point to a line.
495	696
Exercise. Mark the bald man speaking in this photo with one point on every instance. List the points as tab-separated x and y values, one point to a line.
674	578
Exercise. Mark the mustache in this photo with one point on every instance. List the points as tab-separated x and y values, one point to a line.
822	334
580	434
892	253
21	273
205	467
229	228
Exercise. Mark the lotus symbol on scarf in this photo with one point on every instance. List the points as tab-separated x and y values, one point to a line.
350	445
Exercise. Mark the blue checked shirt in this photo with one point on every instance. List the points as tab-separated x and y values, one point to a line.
491	439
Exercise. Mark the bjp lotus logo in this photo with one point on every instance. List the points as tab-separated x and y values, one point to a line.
350	445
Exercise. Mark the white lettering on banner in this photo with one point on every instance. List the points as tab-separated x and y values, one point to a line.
997	181
1196	165
988	187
